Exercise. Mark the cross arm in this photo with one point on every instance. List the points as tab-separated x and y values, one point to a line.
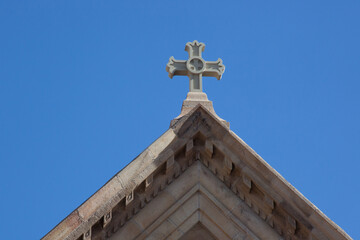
176	67
214	69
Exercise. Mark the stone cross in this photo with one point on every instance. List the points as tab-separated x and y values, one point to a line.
195	67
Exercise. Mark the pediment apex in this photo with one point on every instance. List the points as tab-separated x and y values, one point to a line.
198	119
195	108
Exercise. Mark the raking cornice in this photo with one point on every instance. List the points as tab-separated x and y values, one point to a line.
198	136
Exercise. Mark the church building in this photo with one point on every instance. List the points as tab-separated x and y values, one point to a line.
198	180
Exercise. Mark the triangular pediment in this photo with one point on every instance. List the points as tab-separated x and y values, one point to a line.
235	194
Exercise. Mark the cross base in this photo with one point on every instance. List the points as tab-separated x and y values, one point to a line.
191	101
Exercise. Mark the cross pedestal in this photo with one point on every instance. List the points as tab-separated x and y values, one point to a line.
191	101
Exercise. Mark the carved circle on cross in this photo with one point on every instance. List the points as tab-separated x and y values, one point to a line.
195	65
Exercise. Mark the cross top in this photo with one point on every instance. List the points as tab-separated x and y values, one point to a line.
195	67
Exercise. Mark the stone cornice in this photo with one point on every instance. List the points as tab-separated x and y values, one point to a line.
198	136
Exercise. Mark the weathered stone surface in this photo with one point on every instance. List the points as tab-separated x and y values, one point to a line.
198	232
199	173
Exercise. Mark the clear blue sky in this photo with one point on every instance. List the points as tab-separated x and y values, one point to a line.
83	90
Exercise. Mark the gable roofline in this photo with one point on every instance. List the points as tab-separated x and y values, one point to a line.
121	187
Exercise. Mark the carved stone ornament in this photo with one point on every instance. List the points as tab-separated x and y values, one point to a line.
195	67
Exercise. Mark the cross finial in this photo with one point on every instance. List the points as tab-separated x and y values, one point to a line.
195	67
